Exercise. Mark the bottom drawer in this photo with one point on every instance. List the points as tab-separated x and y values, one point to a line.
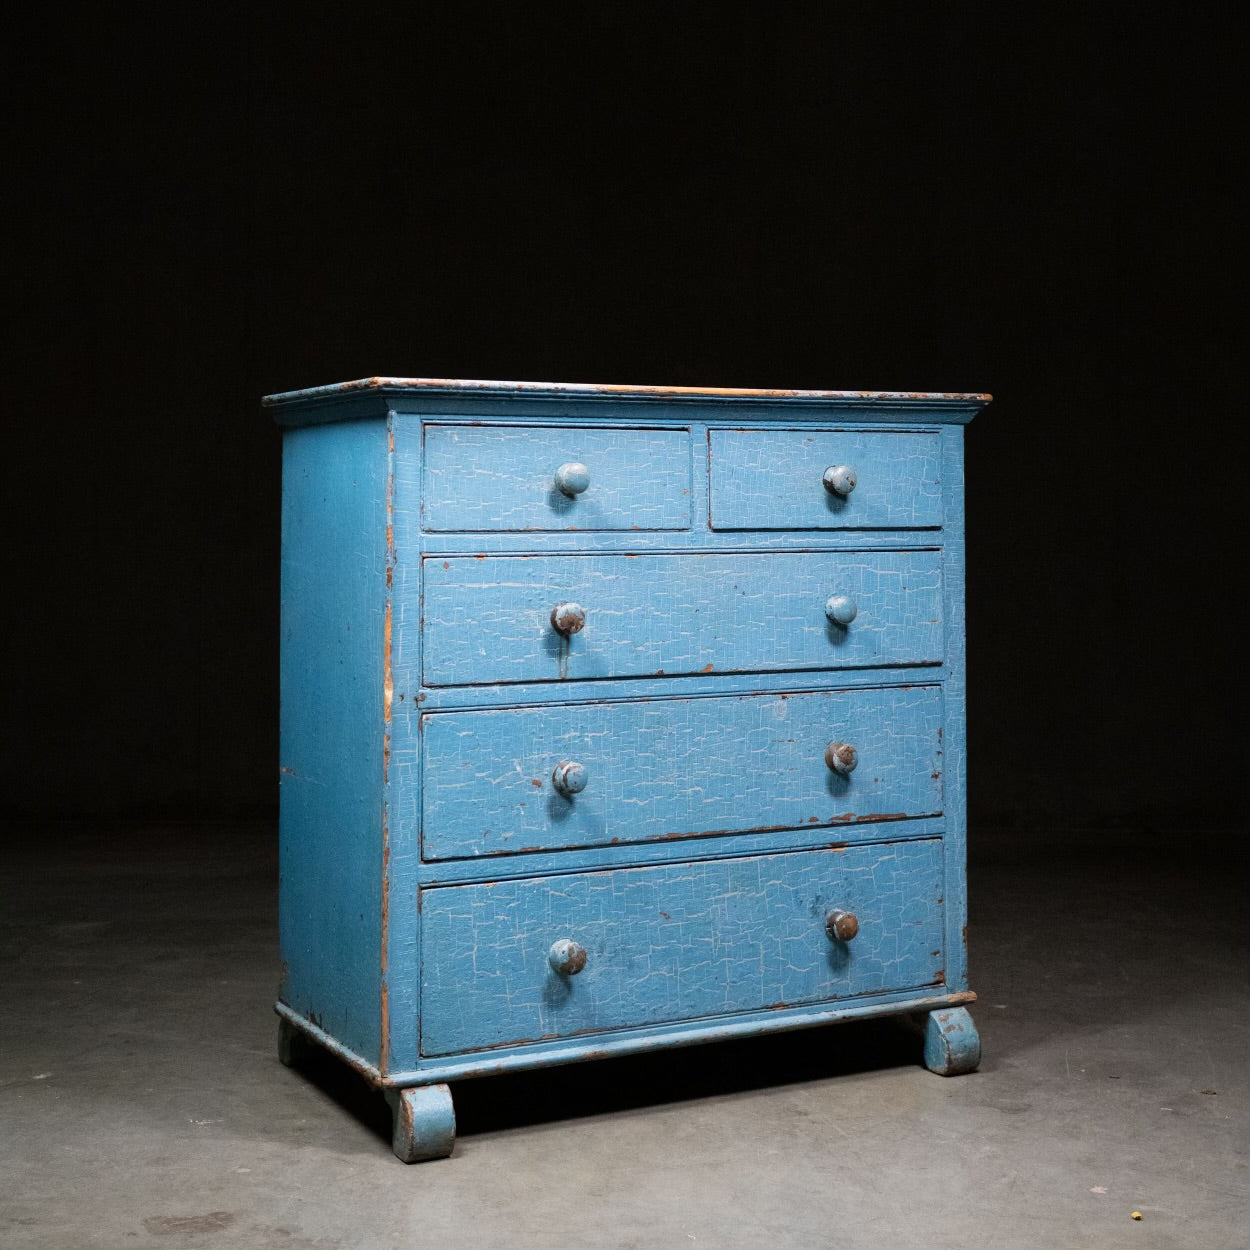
675	942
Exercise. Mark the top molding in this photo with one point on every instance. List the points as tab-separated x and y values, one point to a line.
452	396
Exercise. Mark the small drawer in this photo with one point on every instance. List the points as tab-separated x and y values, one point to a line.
483	479
510	962
503	781
491	619
824	479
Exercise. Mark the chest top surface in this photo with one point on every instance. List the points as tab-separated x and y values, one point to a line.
374	395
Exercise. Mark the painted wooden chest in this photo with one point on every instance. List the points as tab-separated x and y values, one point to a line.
616	718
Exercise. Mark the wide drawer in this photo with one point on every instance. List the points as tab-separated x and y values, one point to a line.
675	942
673	768
488	619
504	478
773	479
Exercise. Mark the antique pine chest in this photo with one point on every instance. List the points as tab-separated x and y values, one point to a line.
616	718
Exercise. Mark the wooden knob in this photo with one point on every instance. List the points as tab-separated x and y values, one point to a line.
572	478
842	758
841	609
841	925
569	777
567	957
840	479
568	618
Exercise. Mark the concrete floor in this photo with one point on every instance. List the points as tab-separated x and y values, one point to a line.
141	1102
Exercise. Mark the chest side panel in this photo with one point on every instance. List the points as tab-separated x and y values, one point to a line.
332	720
675	941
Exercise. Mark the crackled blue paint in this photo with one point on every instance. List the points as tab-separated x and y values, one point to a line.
774	479
705	628
499	478
489	620
675	941
665	768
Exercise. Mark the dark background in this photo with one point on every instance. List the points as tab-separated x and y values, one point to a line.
217	204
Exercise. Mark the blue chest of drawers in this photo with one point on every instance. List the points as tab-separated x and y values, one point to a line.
616	718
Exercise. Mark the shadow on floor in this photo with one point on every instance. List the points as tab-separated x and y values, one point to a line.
626	1083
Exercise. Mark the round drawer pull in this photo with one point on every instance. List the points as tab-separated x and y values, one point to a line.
840	479
841	609
842	758
840	925
569	777
568	618
572	478
568	958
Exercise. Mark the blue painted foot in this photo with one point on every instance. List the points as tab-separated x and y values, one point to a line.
425	1122
952	1044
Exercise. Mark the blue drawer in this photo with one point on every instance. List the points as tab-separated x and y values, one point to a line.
772	479
481	478
674	942
487	619
671	768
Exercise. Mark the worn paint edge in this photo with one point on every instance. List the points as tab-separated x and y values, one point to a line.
388	695
353	401
323	1039
565	1050
630	390
561	1051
